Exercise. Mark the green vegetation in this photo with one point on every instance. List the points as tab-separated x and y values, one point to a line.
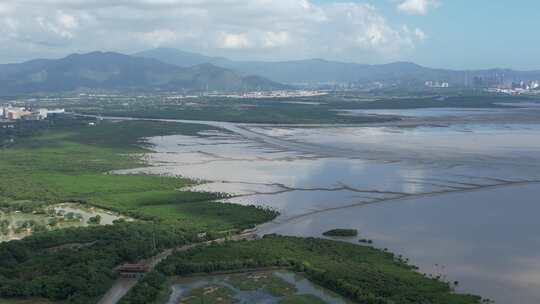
300	111
302	299
254	112
95	220
362	274
264	281
278	287
248	111
9	131
75	264
212	294
341	232
24	301
4	226
68	161
308	110
147	290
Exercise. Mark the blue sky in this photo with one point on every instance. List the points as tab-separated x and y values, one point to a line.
475	33
457	34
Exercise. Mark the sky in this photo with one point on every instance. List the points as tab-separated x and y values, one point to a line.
455	34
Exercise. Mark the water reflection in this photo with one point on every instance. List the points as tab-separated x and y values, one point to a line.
181	289
427	112
488	240
458	200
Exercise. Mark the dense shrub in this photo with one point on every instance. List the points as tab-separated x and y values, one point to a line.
363	274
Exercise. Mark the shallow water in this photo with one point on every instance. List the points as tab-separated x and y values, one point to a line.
487	239
425	112
183	287
456	198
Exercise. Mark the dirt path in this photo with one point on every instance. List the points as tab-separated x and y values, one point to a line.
122	285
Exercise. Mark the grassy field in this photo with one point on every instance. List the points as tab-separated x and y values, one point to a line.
308	110
68	161
70	164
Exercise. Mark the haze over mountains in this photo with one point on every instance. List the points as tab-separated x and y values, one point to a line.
324	71
166	69
114	71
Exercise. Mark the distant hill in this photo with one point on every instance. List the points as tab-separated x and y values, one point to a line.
325	71
114	71
181	58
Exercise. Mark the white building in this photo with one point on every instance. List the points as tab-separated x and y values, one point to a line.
437	84
56	111
15	113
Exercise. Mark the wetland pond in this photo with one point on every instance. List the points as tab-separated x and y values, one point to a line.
271	287
456	194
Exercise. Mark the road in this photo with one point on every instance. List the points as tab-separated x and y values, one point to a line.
122	285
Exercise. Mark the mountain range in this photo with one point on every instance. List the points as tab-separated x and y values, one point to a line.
317	71
114	71
166	69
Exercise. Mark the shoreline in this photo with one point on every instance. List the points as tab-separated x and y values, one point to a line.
403	198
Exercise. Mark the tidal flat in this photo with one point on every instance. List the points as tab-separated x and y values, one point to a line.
455	196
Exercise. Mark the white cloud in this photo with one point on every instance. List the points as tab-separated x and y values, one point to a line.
420	34
51	27
8	29
242	29
158	38
360	28
6	8
67	21
417	7
276	39
235	41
